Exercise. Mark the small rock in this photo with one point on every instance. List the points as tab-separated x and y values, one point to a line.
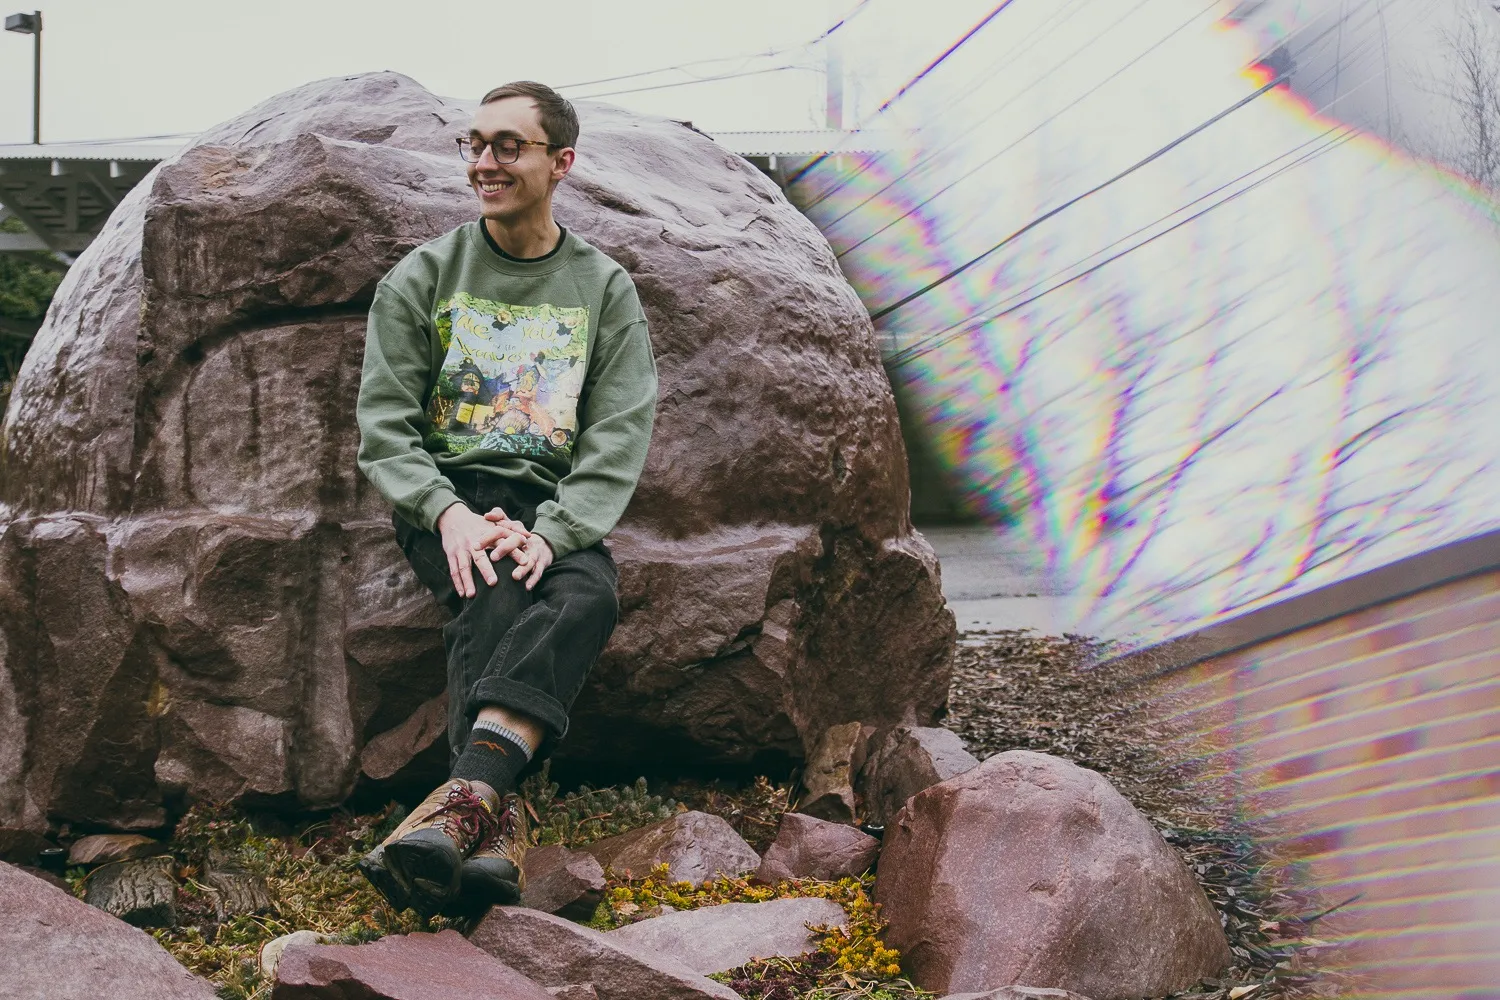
53	946
401	967
557	952
235	890
694	846
577	991
1017	993
719	938
393	749
808	847
910	759
568	883
103	848
21	847
1034	869
828	777
272	950
139	892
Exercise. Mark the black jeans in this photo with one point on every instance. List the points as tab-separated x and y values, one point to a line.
528	651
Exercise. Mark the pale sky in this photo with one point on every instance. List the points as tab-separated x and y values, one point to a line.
115	68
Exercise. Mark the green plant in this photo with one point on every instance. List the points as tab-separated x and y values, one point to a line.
590	814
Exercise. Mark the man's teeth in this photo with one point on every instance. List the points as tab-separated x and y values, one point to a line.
492	187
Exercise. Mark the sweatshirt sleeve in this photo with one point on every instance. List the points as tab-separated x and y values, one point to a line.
615	422
397	367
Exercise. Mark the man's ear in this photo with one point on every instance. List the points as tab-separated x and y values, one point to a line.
562	163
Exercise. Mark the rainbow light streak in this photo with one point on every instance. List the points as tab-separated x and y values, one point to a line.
1252	362
1259	362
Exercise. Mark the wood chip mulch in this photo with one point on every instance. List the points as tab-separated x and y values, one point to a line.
1019	690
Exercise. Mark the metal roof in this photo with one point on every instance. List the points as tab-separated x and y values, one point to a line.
132	152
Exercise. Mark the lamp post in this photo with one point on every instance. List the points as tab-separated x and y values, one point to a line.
31	24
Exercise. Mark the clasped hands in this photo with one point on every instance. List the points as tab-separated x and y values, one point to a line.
472	541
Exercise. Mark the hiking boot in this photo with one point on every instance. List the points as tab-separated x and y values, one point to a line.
423	856
492	875
372	866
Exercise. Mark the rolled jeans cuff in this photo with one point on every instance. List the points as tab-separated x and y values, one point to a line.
522	698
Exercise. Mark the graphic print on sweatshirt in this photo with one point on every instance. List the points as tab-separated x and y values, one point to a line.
511	377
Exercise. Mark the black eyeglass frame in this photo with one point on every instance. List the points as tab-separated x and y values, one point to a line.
466	147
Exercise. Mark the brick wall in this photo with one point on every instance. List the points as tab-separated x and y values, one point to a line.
1367	748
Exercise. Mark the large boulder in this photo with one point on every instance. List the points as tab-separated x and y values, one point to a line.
53	946
200	597
1031	871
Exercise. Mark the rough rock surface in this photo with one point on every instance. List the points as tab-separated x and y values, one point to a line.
401	967
576	991
199	594
568	883
1017	993
808	847
828	778
910	759
102	848
53	946
558	952
140	892
1031	870
694	846
720	938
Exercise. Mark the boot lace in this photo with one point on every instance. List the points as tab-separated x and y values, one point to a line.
466	817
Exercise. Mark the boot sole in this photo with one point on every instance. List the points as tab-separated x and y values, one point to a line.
490	884
429	863
372	867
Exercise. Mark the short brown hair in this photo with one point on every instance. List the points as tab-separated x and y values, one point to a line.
558	118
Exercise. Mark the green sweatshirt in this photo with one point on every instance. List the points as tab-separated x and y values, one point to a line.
536	371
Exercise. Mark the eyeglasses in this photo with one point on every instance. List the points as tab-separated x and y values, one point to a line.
506	148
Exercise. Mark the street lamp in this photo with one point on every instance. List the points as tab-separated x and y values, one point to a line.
31	24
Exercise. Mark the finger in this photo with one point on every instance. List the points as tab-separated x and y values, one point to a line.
453	573
536	572
506	546
496	514
485	569
465	576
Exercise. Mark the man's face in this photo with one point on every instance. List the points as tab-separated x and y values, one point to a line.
511	190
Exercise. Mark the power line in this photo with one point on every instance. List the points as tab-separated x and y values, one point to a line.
983	163
1150	158
999	66
684	67
983	23
689	83
915	351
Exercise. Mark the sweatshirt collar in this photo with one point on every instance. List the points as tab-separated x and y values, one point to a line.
503	262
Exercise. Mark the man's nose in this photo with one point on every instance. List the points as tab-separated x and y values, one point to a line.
487	158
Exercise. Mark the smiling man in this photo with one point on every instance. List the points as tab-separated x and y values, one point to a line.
505	411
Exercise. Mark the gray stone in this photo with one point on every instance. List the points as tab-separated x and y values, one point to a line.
808	847
270	953
695	847
557	952
1031	870
720	938
400	967
1018	993
910	759
558	880
140	892
577	991
52	946
102	848
828	776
